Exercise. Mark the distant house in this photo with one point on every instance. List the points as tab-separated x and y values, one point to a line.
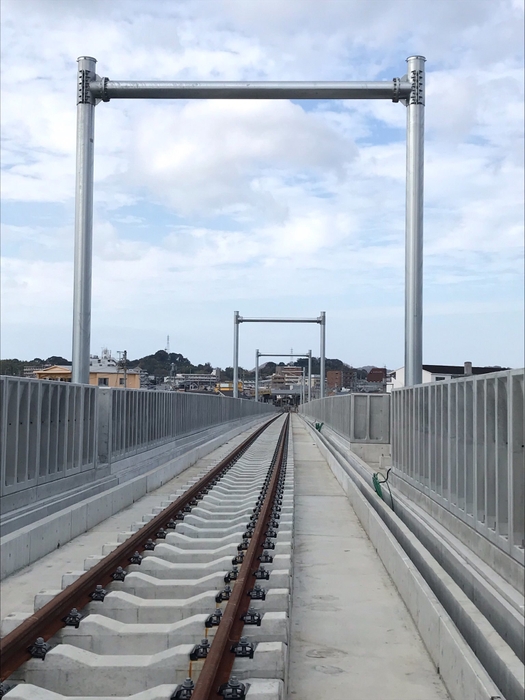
340	378
102	372
440	373
376	374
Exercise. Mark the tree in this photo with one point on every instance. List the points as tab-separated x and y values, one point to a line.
57	360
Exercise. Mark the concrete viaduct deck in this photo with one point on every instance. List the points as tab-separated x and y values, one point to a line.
379	589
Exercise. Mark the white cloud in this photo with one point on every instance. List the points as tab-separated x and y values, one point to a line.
204	206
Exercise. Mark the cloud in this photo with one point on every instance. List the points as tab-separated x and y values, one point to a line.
202	207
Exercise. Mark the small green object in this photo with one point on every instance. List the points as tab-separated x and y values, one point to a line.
318	426
377	484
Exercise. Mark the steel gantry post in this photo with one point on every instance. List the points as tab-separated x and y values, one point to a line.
257	375
322	372
83	221
235	354
93	88
309	375
414	222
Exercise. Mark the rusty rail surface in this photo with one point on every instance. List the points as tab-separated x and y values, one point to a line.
49	619
217	667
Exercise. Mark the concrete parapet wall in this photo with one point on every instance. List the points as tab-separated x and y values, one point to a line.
362	418
57	437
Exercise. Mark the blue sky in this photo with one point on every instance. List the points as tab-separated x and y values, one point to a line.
269	208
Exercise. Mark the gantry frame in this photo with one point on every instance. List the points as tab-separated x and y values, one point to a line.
93	89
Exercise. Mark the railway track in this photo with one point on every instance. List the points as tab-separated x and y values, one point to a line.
191	603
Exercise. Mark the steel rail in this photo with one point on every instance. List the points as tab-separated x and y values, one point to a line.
49	619
219	662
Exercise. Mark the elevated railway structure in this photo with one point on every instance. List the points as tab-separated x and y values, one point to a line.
296	555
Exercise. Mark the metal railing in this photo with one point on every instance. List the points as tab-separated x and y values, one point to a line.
47	431
461	443
361	418
52	430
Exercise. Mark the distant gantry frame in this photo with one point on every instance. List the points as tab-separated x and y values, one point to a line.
92	89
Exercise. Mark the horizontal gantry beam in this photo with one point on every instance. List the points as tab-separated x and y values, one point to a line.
284	354
106	89
242	319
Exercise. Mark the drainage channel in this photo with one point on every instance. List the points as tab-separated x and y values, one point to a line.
165	623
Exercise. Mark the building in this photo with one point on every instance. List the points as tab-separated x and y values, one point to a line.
376	374
29	370
337	379
439	373
193	382
103	371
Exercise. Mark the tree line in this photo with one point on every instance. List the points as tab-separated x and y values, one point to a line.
162	363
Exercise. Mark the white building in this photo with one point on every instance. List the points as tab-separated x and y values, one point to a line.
439	373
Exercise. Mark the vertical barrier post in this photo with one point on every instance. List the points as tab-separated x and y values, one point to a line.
83	221
414	222
257	375
309	375
235	354
323	350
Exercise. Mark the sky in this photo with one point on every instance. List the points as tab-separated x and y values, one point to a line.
271	208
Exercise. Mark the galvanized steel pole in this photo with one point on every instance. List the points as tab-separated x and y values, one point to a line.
414	222
107	89
309	375
323	351
235	354
257	375
83	221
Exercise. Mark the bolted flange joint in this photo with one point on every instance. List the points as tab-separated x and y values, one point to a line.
265	558
214	619
223	595
238	558
233	690
200	651
39	649
231	575
135	558
252	617
262	573
257	593
184	691
119	574
73	619
4	688
244	648
99	593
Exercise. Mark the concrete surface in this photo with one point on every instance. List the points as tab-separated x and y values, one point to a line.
17	592
351	635
28	544
472	658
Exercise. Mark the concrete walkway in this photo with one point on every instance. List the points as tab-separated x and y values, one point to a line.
351	634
